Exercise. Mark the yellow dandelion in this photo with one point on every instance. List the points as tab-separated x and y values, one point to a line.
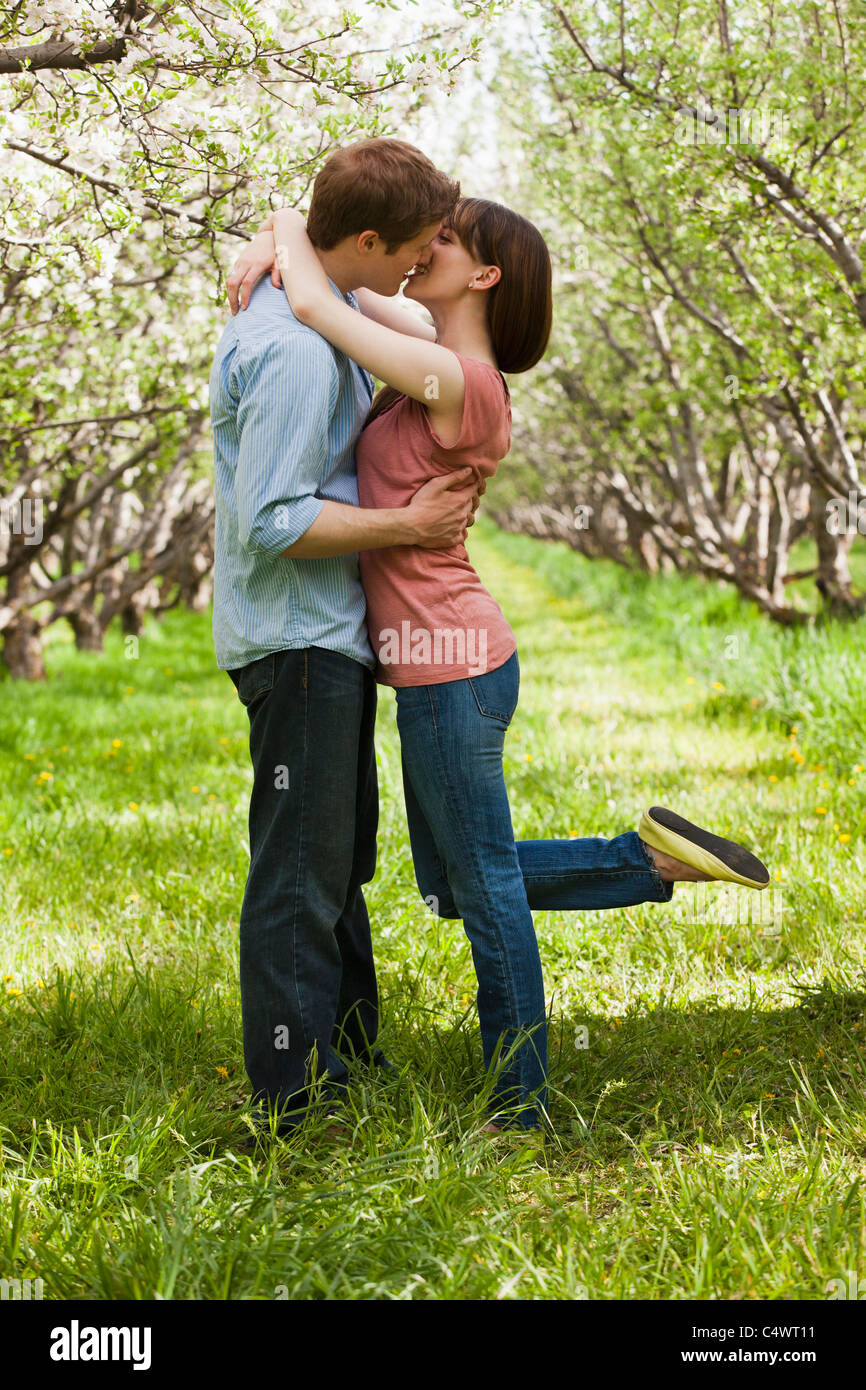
843	839
195	789
717	685
527	757
778	875
30	757
16	993
690	680
117	743
223	740
7	851
133	805
773	777
223	1072
820	810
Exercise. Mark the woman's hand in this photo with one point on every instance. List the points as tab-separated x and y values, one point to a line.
250	266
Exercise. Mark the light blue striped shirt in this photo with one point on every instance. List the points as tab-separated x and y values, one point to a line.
286	409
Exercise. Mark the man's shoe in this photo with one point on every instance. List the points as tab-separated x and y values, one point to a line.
709	854
381	1061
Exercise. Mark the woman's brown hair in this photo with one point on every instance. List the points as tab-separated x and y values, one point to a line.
520	304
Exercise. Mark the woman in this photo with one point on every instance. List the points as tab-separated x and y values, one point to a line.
443	642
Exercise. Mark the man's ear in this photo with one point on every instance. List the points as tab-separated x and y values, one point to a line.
366	242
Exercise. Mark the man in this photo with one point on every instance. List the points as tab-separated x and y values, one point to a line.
289	625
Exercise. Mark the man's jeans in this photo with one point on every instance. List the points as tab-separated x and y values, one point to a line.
466	861
308	983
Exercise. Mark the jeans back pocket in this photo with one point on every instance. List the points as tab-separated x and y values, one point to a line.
256	679
496	691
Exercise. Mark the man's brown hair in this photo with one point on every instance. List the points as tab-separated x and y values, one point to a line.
383	186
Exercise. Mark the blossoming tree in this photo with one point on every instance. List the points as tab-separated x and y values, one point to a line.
140	142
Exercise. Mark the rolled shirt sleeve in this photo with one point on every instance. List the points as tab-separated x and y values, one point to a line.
286	394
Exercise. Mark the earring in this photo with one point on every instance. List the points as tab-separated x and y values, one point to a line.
471	285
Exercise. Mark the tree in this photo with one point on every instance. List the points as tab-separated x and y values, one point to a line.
699	168
139	140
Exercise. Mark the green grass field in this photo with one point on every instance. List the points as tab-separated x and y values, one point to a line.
707	1070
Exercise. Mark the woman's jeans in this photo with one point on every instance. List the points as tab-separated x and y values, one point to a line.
468	865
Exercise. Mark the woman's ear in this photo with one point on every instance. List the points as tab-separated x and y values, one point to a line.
488	277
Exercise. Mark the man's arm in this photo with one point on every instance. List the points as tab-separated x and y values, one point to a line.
436	518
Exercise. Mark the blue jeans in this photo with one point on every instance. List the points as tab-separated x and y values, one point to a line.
467	862
309	997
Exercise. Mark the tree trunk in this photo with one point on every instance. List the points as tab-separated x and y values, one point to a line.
834	575
197	594
22	649
132	619
89	636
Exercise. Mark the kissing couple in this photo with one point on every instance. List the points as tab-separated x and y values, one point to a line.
341	519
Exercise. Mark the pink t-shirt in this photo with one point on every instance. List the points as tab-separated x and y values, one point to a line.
429	617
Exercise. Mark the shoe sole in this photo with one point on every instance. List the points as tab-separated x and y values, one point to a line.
711	854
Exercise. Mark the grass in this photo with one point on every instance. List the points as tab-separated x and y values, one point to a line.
706	1068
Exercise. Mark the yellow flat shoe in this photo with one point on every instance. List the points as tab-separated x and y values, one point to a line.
710	854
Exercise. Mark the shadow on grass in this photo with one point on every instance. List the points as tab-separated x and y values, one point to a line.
80	1051
712	1073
